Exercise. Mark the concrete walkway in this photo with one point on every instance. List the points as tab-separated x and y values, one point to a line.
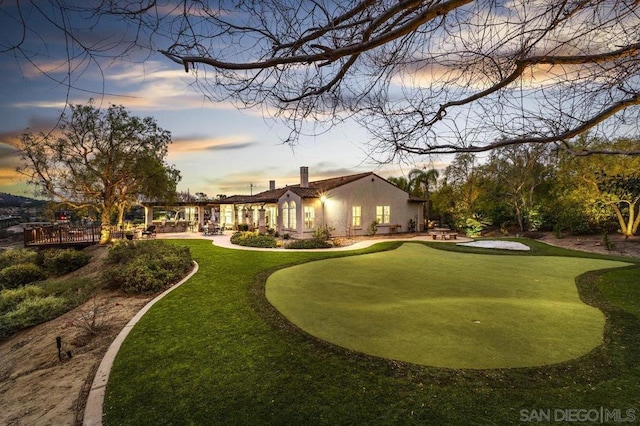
225	241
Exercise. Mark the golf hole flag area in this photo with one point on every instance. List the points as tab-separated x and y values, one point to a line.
445	309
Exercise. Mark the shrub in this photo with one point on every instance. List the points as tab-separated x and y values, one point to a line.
32	304
243	227
373	228
608	244
473	226
123	251
20	274
148	275
144	267
253	239
31	311
11	257
10	298
308	244
75	290
534	235
61	261
322	233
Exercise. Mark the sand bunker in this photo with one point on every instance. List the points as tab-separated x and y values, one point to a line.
495	244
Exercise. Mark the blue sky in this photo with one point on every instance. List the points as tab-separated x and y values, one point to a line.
217	148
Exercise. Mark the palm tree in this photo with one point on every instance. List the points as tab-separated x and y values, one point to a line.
421	179
401	182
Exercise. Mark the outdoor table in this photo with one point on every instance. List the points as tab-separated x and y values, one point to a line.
441	232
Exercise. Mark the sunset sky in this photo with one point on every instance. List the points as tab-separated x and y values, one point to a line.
217	148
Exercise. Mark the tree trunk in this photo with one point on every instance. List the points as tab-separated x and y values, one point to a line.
105	226
636	222
120	214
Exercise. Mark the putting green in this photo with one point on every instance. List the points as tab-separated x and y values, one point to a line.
445	309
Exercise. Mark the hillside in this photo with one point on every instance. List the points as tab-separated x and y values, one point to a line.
9	200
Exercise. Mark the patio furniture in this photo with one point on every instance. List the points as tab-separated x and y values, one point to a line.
209	229
149	232
444	234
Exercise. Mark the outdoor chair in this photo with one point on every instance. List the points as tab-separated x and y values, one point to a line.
208	229
149	232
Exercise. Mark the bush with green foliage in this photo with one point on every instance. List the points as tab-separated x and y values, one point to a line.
253	239
322	233
474	225
10	298
33	304
373	228
308	244
62	261
149	275
32	311
146	266
17	275
9	257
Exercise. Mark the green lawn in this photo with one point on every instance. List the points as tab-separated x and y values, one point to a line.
437	308
215	352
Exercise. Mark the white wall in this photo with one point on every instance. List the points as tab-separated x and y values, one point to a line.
369	192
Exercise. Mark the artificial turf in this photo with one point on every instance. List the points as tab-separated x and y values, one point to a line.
455	310
215	352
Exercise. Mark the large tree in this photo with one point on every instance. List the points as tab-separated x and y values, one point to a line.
425	77
515	176
100	159
622	193
613	183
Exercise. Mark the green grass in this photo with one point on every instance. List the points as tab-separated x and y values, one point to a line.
622	288
215	352
457	310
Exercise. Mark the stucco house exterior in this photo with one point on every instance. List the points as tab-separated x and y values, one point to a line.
348	205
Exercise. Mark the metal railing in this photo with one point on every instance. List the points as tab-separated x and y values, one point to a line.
61	235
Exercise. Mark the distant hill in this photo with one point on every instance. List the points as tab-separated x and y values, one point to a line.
9	200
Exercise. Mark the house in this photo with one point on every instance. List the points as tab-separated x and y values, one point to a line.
348	205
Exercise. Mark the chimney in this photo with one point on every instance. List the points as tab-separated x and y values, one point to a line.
304	177
272	185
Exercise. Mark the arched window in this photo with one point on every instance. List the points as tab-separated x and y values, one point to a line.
292	215
285	215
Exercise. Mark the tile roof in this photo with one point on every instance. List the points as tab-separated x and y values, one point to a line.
314	190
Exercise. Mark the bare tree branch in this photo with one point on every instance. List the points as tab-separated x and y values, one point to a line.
423	76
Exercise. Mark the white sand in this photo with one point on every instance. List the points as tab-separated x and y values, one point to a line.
504	245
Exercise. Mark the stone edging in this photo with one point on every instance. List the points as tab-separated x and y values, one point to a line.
93	409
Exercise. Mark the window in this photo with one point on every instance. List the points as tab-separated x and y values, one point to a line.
356	216
292	215
383	213
285	215
309	216
228	215
289	215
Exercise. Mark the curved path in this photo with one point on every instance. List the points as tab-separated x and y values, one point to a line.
225	241
93	410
